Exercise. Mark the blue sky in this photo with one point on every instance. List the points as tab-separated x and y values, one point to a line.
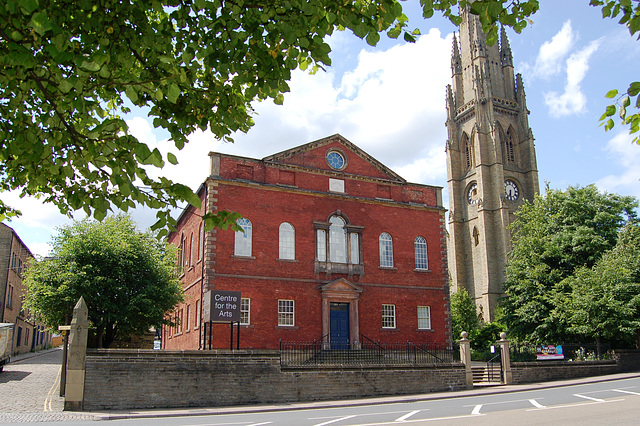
390	101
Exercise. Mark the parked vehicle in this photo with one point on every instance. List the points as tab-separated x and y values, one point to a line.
6	343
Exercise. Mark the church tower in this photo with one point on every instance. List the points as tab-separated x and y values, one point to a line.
491	162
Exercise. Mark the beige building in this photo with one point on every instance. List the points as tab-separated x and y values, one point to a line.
15	255
491	162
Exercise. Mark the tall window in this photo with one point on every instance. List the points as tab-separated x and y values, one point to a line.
201	241
386	250
197	314
243	239
286	312
187	321
420	246
509	151
355	247
191	250
181	255
337	240
287	241
424	317
10	297
468	151
245	311
388	316
321	242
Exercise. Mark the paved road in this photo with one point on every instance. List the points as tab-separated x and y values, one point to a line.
29	390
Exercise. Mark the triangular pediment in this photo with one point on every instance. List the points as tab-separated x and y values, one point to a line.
312	155
341	285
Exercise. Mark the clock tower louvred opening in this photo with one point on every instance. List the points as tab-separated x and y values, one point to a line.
491	161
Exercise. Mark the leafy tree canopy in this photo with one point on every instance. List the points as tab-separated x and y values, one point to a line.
72	69
128	279
604	301
552	237
463	315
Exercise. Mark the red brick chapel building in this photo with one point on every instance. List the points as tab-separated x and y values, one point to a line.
336	246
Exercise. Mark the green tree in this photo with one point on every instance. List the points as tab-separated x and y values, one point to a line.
604	302
463	314
552	237
128	279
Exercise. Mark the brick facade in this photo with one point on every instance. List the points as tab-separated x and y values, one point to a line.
28	335
301	188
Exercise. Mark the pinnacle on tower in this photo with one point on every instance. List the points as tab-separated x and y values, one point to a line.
505	49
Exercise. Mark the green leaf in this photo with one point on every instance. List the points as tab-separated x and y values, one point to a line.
173	93
172	158
132	94
611	93
40	23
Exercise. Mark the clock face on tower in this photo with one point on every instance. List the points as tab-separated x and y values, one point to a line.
511	190
472	194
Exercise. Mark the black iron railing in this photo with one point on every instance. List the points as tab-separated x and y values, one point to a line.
363	352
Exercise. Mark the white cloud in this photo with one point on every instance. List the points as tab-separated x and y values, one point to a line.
572	100
552	52
627	156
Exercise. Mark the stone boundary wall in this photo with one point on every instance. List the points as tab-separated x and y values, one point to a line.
532	372
118	379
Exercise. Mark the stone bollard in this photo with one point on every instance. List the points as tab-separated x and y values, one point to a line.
78	334
465	357
506	359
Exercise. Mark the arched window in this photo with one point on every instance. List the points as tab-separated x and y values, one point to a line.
509	151
420	246
287	241
386	250
243	239
337	240
468	151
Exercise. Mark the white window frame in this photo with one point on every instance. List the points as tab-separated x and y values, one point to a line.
388	316
337	240
424	317
245	311
321	245
187	320
286	313
286	241
243	240
386	250
421	253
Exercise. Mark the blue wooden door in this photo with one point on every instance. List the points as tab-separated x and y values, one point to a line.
339	320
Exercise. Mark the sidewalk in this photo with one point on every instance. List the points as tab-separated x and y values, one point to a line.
27	355
244	409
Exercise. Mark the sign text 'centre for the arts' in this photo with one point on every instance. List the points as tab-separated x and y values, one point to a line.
221	306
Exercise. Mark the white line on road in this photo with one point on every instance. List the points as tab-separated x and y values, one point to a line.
335	420
49	399
476	410
406	416
536	404
260	424
625	391
577	404
588	397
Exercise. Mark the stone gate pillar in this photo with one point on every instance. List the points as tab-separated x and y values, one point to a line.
78	334
465	357
505	359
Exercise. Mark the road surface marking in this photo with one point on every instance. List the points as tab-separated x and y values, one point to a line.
576	404
536	404
588	397
625	391
476	410
260	424
335	420
49	399
406	416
